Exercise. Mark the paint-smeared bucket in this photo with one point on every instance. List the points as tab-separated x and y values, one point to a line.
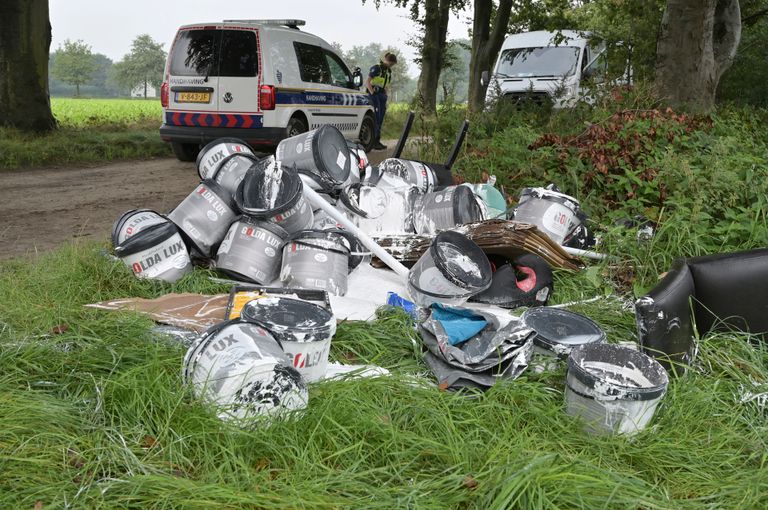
303	329
613	388
378	211
156	252
552	212
322	154
491	200
242	369
449	272
213	154
359	163
132	222
274	193
439	210
252	250
232	170
316	259
413	173
205	215
559	331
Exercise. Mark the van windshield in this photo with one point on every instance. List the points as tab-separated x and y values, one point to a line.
544	61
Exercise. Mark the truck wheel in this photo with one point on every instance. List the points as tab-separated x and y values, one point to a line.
296	126
366	133
185	151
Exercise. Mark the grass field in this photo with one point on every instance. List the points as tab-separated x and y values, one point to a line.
106	113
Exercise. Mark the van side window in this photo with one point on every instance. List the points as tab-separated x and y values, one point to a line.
238	54
312	64
340	75
195	52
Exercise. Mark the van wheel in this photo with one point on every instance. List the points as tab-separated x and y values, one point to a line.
185	151
296	126
366	133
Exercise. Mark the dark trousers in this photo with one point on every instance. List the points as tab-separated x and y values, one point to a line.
379	102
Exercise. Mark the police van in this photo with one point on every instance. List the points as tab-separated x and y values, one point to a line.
260	81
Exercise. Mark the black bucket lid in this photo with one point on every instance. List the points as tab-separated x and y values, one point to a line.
328	143
278	314
465	206
146	238
248	195
616	355
557	327
456	271
118	225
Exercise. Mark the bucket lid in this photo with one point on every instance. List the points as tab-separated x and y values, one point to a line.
146	238
328	144
118	225
637	375
461	260
284	314
556	196
560	328
212	144
249	198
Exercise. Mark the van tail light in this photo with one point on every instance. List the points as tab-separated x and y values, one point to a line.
267	97
164	94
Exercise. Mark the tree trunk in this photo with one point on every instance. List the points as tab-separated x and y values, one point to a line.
77	89
145	89
487	37
697	43
25	40
436	17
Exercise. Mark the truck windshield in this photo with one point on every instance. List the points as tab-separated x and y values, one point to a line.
546	61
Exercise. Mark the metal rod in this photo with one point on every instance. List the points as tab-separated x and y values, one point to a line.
369	243
585	253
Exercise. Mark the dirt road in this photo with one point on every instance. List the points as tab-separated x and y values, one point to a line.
41	209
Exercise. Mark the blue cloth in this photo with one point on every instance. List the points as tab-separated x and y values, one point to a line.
459	324
394	299
379	102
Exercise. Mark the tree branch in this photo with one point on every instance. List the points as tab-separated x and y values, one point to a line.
753	18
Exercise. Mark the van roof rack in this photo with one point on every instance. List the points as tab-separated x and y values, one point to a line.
290	23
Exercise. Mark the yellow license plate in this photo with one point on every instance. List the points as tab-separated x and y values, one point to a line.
193	97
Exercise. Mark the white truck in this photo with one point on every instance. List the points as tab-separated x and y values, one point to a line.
546	67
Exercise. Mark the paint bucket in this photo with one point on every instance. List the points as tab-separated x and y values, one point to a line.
322	154
552	212
132	222
452	270
413	173
318	260
232	170
303	329
491	200
214	154
613	388
559	331
285	205
252	251
205	215
242	369
378	211
358	164
157	252
440	210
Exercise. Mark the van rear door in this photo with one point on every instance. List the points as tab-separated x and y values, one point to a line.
193	75
239	78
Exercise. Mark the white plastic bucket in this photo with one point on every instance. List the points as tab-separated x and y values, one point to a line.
317	260
378	211
232	170
613	388
132	222
394	171
552	212
252	251
322	154
241	369
303	329
444	209
213	155
156	252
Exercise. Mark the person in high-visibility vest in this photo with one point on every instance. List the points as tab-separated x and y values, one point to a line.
379	78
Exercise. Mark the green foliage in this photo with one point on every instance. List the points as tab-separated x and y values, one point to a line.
74	64
142	67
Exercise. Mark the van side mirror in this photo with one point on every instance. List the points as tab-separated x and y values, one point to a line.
357	78
484	79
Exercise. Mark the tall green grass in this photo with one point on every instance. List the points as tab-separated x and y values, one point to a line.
97	417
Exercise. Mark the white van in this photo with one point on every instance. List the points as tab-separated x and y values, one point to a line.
259	81
546	66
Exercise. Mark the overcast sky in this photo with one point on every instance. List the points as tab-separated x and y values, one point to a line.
109	26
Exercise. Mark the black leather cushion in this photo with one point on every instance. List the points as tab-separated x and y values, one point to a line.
731	291
663	317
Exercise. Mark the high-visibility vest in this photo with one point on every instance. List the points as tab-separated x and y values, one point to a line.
384	77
